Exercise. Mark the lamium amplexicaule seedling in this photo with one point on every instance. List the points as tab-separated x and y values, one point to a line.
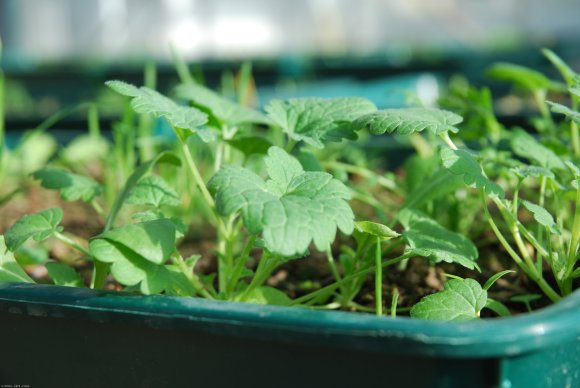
276	186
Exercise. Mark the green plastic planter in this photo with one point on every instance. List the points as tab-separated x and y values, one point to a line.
59	337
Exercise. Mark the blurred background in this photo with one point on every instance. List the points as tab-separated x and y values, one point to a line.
57	52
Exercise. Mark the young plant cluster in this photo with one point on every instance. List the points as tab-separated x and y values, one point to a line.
283	184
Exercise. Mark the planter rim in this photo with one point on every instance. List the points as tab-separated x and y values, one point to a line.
552	326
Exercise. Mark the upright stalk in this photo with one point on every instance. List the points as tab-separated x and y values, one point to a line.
378	279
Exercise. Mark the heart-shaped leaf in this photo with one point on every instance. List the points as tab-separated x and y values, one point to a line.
542	216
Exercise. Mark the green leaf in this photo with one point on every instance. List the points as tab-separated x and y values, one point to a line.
137	252
138	174
318	121
148	101
564	110
565	70
251	145
154	191
153	240
525	146
409	120
438	184
427	238
267	295
38	226
542	216
224	110
291	209
498	308
64	275
521	76
460	300
72	186
376	230
533	171
460	162
495	277
10	270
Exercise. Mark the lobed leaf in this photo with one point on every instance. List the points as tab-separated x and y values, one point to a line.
533	171
317	121
542	216
72	186
526	146
460	162
38	226
408	120
224	110
426	238
10	270
460	300
564	110
291	209
148	101
153	191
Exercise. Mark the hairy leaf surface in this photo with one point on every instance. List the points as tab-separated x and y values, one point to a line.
224	110
564	110
291	209
318	121
425	237
154	191
72	186
524	145
542	216
460	300
409	120
460	162
148	101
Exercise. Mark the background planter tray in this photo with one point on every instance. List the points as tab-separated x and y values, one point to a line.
61	336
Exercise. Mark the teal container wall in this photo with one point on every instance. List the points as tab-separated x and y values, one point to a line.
58	336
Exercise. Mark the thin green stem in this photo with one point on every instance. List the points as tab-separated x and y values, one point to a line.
93	121
240	265
70	242
394	303
575	239
335	285
197	176
448	141
531	272
332	264
193	279
266	265
181	67
378	279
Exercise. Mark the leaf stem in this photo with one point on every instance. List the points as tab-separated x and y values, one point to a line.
240	265
348	278
197	176
378	280
61	237
361	171
193	279
448	141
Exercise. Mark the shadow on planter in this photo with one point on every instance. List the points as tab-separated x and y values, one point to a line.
59	336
